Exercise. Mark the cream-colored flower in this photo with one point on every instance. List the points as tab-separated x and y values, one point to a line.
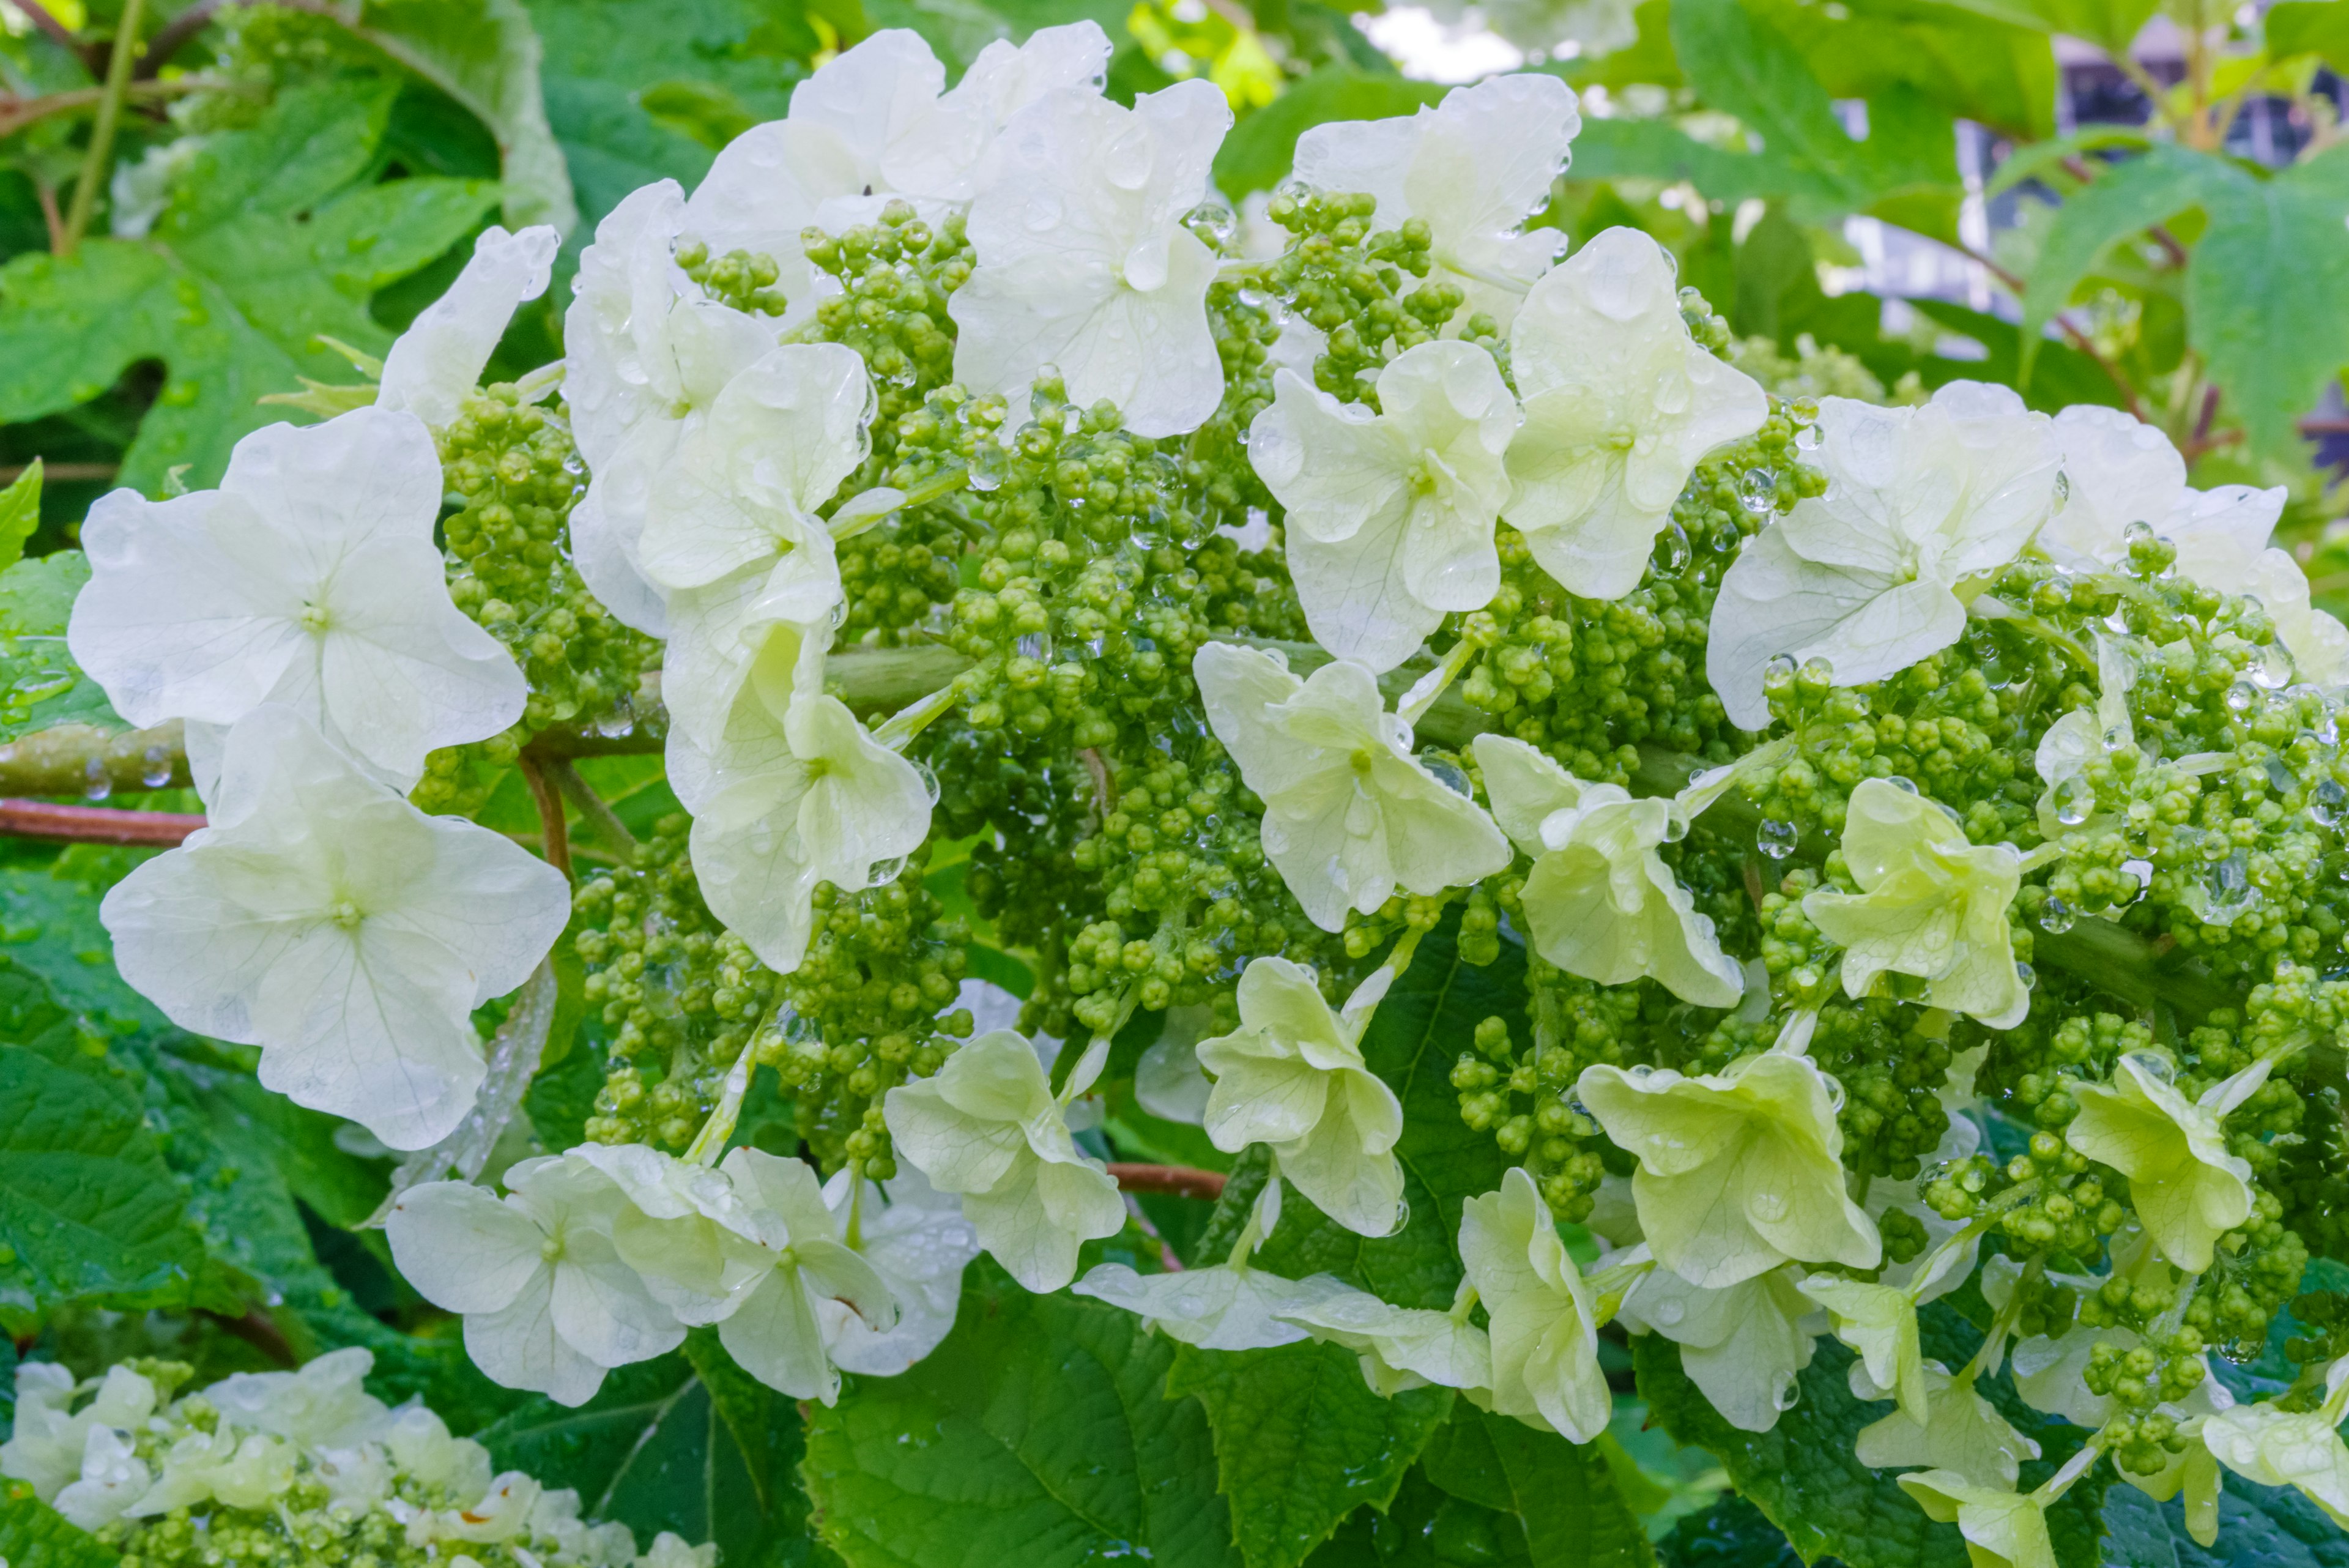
1931	903
1229	1306
1293	1077
1621	405
1544	1334
1739	1171
1390	515
1918	501
324	919
987	1126
2004	1528
1954	1429
1744	1345
2188	1190
1601	902
1350	815
1472	169
1401	1347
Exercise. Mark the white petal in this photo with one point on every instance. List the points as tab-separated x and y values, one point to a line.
434	366
462	1249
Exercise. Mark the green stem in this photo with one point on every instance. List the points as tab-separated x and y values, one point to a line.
96	162
1431	686
914	717
711	1141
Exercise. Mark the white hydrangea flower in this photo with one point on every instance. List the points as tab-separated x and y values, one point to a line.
436	362
1401	1348
1229	1306
2188	1189
1293	1077
2119	470
1620	404
685	1231
671	1550
986	1126
834	804
309	579
1744	1345
323	1405
1084	262
644	360
730	678
1389	516
2269	1448
1880	1323
777	1334
547	1303
1350	815
1956	1430
870	127
50	1437
1601	902
1931	903
1866	577
917	1241
110	1480
1473	169
741	491
1739	1171
324	919
251	1469
1545	1337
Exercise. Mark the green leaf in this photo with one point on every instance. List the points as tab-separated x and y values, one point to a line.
1257	155
88	1206
1653	150
1562	1498
2128	198
685	1443
268	243
35	1535
1802	1473
40	684
20	513
1417	1035
1301	1440
2319	27
1742	65
1732	1533
485	55
2064	375
600	56
2263	295
1972	67
1038	1434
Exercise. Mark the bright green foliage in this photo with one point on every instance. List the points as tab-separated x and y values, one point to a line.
1301	1440
685	1443
271	238
87	1207
32	1532
1039	1433
44	687
1562	1497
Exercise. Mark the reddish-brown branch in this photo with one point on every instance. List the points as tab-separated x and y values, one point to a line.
549	801
94	823
1180	1181
258	1330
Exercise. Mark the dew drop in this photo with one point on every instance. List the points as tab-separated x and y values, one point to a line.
2025	974
95	783
1768	1206
2075	801
885	871
1758	490
1672	553
2055	917
157	772
929	777
1776	837
1449	774
2242	695
2325	802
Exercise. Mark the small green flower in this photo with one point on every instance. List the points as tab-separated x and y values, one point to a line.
2265	1445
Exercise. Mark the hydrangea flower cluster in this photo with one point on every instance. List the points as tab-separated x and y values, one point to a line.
263	1464
1868	788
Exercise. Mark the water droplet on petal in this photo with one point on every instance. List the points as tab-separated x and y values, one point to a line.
1777	838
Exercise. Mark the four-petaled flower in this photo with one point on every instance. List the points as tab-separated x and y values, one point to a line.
324	919
1601	902
1931	903
1084	264
1293	1077
987	1126
1389	516
1350	815
2271	1446
1544	1334
1743	1345
2188	1188
548	1303
1620	404
1472	169
1739	1171
1919	502
309	579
